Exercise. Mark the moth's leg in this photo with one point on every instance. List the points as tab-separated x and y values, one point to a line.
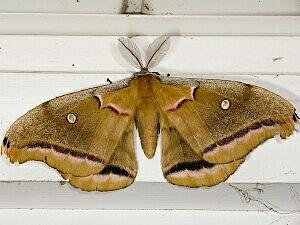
119	173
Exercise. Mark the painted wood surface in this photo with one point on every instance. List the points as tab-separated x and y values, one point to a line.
35	68
136	24
268	197
222	7
136	217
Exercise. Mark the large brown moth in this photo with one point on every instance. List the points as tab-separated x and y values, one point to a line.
207	126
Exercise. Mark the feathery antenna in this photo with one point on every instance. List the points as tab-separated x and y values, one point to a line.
130	52
157	50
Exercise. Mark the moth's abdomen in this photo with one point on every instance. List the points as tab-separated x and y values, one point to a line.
147	122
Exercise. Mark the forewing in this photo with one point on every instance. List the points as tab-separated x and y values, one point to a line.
73	133
227	134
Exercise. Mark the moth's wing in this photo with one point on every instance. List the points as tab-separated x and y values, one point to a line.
181	166
120	171
224	135
73	133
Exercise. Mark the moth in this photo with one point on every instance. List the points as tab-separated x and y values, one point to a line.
207	126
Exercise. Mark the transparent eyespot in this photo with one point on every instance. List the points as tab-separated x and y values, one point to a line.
225	104
72	118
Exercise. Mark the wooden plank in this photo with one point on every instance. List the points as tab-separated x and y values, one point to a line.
221	7
188	7
270	197
43	67
99	24
187	55
63	6
136	217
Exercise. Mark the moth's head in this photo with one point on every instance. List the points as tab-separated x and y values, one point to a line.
155	52
145	73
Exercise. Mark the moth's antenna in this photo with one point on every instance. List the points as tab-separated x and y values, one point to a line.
157	50
130	52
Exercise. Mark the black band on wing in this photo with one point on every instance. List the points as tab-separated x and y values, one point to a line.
295	117
5	141
241	133
63	150
116	170
196	165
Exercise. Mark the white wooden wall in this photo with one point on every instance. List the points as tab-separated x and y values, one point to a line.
50	48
